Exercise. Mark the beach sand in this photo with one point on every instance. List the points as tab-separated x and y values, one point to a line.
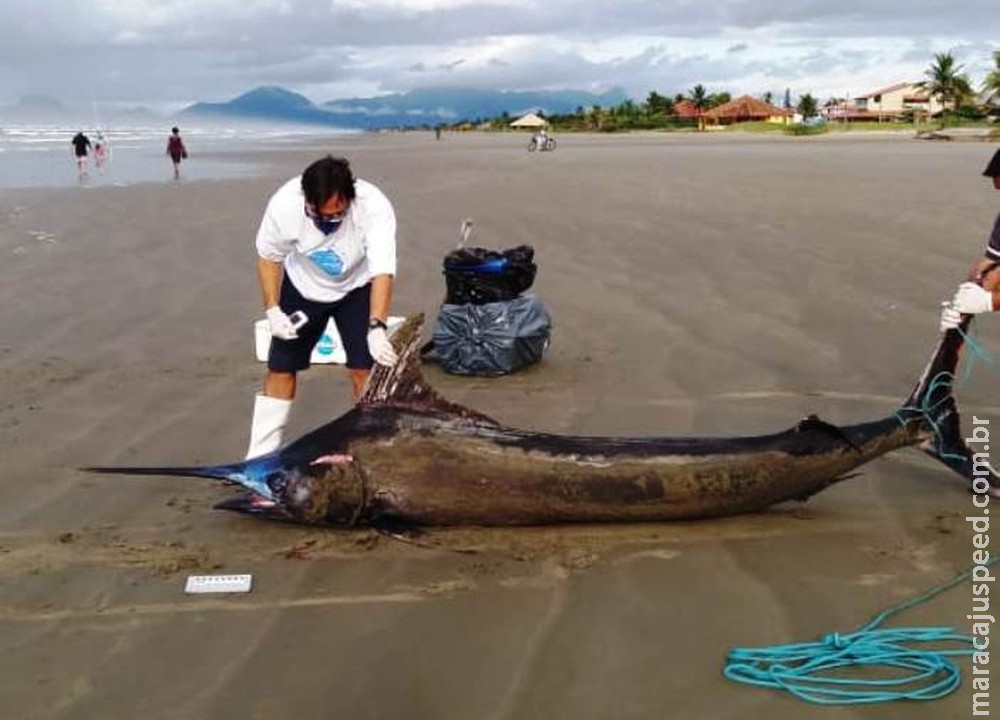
699	284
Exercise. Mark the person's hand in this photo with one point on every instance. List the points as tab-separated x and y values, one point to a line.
950	317
281	324
971	299
380	347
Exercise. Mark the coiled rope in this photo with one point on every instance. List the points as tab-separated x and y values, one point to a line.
820	672
804	669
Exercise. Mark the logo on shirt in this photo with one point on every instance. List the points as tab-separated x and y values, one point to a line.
329	260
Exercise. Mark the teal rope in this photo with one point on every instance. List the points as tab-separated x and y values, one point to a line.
976	350
918	674
924	408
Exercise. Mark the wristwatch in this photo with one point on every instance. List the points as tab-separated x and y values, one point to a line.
376	323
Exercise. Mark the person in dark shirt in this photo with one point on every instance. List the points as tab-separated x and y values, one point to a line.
176	150
81	144
981	291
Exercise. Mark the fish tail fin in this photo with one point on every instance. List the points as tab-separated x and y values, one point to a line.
932	404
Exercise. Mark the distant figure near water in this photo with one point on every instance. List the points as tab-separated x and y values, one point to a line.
176	151
81	145
100	150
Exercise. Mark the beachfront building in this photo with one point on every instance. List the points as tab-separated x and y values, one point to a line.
891	103
743	109
687	110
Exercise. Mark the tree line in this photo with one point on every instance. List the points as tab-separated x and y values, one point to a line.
945	80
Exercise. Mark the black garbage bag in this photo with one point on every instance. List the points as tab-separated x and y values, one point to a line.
492	338
478	275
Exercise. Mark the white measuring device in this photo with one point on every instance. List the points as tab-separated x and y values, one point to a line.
198	584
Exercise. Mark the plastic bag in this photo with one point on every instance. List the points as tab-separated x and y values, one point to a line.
478	275
491	338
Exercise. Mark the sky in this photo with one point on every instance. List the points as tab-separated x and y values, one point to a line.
166	54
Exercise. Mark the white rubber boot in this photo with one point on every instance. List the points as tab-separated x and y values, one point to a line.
269	418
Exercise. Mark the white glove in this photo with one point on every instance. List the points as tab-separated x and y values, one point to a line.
281	324
950	317
971	299
380	347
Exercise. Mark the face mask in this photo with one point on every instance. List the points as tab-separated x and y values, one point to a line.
327	227
326	224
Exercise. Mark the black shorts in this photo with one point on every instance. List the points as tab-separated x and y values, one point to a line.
350	314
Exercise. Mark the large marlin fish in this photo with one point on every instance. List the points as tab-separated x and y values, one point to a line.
405	455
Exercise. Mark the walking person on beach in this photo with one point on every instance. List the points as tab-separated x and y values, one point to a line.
100	150
981	292
326	248
81	145
176	150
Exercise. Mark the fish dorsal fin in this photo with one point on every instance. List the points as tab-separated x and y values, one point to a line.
403	385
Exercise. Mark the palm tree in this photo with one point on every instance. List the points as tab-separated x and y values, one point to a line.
991	83
945	80
699	97
768	97
964	94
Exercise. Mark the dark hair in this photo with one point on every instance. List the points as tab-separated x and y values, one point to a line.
993	169
175	130
325	178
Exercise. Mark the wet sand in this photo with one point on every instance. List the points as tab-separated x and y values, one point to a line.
709	285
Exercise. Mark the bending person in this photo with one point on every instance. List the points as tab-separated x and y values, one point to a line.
327	249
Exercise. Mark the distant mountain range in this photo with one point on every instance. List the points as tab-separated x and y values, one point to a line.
427	107
414	108
42	108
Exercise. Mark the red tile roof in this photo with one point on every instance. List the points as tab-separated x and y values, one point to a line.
686	109
746	107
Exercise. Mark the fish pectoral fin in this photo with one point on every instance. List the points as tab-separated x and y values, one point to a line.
813	423
337	459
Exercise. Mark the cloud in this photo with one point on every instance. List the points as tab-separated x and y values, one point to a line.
176	51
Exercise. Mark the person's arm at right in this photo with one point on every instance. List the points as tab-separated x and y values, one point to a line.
981	266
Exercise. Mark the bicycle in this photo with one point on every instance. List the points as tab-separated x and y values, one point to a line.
549	145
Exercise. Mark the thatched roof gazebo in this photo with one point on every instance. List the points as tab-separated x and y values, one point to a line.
746	108
531	121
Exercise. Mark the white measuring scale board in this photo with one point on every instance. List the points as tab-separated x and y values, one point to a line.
200	584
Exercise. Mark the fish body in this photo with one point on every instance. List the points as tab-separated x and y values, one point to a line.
405	454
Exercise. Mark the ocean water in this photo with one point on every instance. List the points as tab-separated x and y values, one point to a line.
42	156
